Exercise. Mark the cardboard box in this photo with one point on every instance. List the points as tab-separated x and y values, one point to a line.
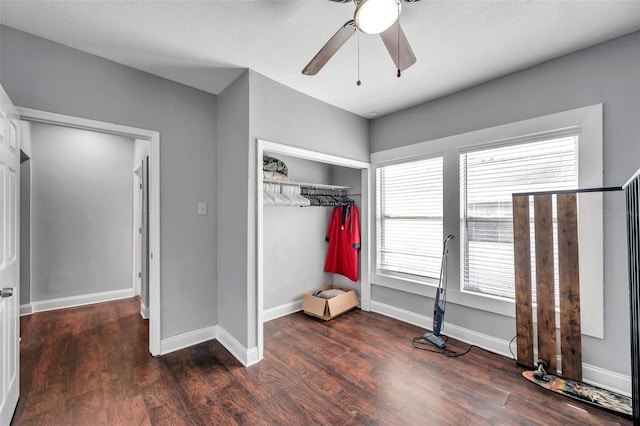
329	308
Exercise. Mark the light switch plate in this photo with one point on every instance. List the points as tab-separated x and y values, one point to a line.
202	209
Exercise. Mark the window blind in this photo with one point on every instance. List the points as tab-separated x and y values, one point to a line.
409	217
488	177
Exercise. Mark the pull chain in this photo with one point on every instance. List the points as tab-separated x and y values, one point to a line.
358	82
398	28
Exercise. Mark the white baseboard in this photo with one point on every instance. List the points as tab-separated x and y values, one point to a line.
484	341
181	341
26	309
282	310
246	356
596	376
252	357
607	379
144	311
73	301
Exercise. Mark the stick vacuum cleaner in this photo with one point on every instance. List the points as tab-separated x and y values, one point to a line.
441	301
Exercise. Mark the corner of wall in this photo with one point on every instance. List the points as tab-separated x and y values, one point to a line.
246	356
233	127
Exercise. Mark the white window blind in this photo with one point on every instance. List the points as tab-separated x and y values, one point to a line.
409	217
488	178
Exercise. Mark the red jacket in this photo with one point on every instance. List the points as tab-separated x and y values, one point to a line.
343	236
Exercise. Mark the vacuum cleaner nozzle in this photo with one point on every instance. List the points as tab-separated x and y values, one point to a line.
436	340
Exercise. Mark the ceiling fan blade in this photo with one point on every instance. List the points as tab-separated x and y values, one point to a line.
398	46
330	49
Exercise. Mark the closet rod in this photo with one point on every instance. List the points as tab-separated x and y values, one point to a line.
306	184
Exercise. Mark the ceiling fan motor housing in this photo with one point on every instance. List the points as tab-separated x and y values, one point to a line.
376	16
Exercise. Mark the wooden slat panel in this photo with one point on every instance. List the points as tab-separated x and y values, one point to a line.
522	267
568	263
544	281
632	193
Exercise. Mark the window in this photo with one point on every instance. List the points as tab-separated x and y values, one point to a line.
409	218
570	140
488	177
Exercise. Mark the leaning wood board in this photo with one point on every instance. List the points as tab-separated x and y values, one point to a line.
570	330
545	292
522	262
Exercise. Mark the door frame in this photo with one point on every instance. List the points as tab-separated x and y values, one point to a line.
137	240
153	137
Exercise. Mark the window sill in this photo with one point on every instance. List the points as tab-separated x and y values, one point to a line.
423	287
426	288
484	302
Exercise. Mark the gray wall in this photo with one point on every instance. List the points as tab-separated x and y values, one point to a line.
40	74
608	73
294	246
81	212
281	114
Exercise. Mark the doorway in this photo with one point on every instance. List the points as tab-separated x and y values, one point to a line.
152	138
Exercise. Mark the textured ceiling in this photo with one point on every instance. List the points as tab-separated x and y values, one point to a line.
207	44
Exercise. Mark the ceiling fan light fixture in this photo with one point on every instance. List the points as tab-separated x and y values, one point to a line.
375	16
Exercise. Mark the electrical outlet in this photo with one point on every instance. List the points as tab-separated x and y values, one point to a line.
202	209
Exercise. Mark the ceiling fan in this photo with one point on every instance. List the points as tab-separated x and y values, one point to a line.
371	17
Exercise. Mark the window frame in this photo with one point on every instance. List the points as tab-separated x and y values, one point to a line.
394	274
587	122
464	242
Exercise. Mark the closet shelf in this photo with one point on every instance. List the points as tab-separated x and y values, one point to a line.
306	184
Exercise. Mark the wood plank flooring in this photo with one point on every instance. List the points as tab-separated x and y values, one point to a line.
90	366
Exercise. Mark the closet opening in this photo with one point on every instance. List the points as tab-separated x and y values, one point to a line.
291	246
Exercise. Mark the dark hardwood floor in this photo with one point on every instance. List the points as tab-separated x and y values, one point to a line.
90	366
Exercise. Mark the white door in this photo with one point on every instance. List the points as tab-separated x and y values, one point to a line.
9	262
